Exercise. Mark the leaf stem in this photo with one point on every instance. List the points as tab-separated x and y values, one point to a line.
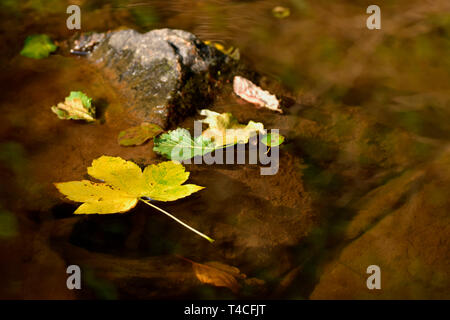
178	220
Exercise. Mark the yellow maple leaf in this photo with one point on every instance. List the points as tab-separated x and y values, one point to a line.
124	184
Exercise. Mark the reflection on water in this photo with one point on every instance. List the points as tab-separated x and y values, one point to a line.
367	134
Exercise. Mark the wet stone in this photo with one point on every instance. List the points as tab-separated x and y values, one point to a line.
165	74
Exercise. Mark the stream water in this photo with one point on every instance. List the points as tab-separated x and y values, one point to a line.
364	172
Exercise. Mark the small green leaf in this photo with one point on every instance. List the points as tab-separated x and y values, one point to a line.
38	46
272	139
281	12
178	145
135	136
77	106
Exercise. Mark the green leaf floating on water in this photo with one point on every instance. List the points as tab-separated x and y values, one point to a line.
38	46
77	106
135	136
272	139
124	184
178	145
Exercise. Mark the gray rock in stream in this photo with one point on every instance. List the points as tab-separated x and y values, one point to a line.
165	74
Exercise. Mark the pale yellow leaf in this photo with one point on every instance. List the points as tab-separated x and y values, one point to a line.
224	129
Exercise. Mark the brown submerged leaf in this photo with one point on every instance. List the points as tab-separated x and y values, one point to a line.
135	136
218	274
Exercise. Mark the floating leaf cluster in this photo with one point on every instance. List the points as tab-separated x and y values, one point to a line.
224	130
77	106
